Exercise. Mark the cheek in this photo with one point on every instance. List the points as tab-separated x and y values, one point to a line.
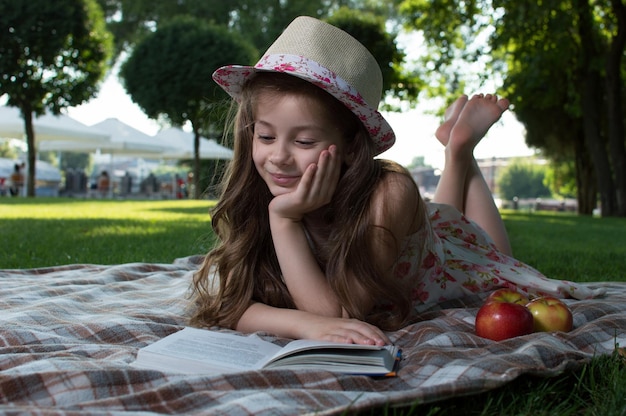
257	157
308	158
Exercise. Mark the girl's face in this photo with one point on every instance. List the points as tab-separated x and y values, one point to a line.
290	132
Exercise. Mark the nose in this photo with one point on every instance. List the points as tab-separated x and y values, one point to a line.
280	154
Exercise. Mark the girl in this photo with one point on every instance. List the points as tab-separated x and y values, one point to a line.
320	240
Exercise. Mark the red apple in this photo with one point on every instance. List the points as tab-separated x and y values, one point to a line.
501	320
550	314
507	295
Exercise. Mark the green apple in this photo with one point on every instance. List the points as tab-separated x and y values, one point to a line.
550	314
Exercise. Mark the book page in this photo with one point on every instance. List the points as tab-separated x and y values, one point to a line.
306	344
344	358
214	350
199	351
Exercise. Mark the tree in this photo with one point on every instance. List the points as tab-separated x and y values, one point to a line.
560	179
418	162
169	74
52	55
260	20
562	61
370	30
542	84
454	55
523	180
572	97
132	20
6	150
69	160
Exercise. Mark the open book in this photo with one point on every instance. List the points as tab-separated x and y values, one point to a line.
199	351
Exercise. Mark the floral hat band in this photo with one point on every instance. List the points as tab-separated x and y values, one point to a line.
329	58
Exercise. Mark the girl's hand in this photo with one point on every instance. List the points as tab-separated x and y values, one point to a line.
315	189
298	324
347	331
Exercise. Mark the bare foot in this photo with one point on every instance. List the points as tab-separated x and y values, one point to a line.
449	120
476	117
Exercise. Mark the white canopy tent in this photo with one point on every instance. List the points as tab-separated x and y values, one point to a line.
183	141
124	141
48	128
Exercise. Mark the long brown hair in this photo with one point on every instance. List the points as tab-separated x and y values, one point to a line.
244	257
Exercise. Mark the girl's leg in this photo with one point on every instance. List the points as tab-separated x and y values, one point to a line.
481	208
451	187
462	185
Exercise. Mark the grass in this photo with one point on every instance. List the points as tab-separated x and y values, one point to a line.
597	389
46	232
566	246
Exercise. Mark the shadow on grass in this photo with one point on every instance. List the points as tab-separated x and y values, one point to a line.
185	210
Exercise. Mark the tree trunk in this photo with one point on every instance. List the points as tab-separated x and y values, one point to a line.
27	115
587	196
592	105
615	120
196	161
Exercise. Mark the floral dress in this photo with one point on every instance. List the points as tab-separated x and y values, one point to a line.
452	257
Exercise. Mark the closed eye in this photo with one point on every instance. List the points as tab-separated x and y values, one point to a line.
264	138
305	142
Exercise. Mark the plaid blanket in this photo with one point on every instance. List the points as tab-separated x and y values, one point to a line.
68	334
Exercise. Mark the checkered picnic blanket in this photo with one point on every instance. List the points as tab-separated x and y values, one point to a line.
68	335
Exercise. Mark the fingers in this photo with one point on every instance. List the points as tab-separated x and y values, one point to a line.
315	189
318	183
353	331
326	176
330	165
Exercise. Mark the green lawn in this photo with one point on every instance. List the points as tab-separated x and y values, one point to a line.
46	232
566	246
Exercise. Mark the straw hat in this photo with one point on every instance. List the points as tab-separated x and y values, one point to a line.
329	58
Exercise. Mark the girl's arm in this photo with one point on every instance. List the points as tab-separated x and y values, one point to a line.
395	215
298	324
395	209
396	212
305	280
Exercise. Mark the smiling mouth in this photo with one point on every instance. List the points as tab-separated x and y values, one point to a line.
283	179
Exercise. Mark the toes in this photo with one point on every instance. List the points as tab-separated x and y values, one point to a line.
503	103
455	109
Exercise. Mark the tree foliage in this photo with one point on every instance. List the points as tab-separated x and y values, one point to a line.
560	179
262	21
563	80
370	30
52	55
418	162
69	160
454	52
523	180
169	74
562	65
7	151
